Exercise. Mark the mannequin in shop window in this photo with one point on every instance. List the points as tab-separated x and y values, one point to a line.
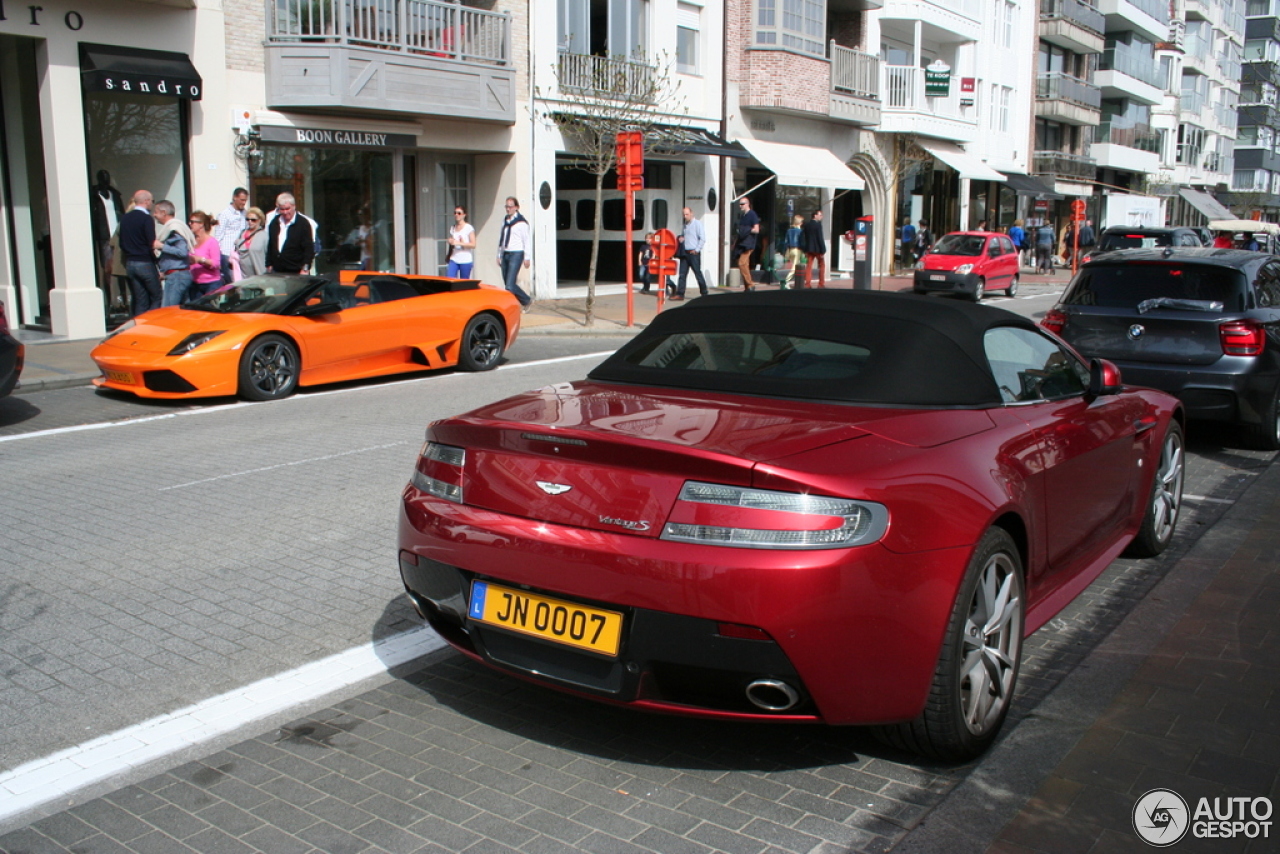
106	209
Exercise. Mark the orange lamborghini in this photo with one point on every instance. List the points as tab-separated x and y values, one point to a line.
264	336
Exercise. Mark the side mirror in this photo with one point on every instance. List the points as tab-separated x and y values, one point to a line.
318	309
1104	378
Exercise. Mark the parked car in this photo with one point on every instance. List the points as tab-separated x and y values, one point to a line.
12	355
266	335
1125	237
969	263
1198	323
836	506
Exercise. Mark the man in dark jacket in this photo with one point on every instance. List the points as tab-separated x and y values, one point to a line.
291	245
815	246
137	245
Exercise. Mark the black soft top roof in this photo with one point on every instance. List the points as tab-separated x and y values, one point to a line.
924	351
1237	258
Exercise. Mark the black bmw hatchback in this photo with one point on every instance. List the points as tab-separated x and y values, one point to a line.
1203	324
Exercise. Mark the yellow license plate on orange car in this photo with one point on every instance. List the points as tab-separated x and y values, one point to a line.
120	377
555	620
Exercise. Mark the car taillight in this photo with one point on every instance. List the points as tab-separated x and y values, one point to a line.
1242	338
715	514
1054	320
439	471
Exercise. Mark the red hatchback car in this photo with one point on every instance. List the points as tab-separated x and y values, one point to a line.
835	506
969	263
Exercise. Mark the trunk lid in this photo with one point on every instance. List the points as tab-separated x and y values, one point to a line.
1164	336
609	458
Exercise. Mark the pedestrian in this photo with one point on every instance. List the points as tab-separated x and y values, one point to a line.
514	246
982	225
231	224
206	256
251	247
137	245
692	239
815	246
1223	240
291	242
907	244
1044	248
748	234
1087	237
173	245
791	243
1018	237
924	239
643	257
462	243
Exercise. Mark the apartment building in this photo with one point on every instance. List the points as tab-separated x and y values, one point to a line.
1255	181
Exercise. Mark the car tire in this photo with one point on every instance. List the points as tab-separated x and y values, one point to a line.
1012	290
1265	435
1165	499
979	288
269	368
483	343
966	706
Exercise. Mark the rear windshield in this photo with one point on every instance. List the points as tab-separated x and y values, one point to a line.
754	354
1112	242
1126	285
960	244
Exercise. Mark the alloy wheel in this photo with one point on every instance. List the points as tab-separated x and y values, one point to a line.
992	642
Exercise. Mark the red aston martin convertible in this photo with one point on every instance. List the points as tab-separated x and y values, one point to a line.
833	506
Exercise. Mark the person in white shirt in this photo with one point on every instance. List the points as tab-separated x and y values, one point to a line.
462	239
513	248
231	224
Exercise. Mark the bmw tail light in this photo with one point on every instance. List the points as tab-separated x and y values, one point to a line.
1055	321
1242	338
715	514
439	471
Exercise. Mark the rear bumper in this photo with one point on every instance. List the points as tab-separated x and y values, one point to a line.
855	632
945	281
1234	389
12	353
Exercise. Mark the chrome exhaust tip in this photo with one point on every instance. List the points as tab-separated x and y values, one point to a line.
772	695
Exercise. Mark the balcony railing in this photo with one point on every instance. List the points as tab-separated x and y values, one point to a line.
1069	167
1226	117
1192	102
1058	86
423	27
610	78
1083	14
1140	137
903	91
1138	65
854	72
1157	9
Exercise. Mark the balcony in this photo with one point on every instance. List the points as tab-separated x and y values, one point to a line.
1261	72
421	57
1266	115
607	78
844	86
1062	166
1073	25
1127	73
1257	158
1192	104
908	110
1067	99
1149	17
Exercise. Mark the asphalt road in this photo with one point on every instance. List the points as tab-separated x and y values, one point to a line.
156	556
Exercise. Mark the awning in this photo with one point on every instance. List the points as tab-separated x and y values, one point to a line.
1025	185
1206	204
960	160
134	71
689	140
803	166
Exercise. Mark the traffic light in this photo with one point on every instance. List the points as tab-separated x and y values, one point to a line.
630	167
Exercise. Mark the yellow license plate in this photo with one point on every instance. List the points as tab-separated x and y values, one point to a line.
120	377
543	617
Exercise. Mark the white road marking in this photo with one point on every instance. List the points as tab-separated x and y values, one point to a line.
42	780
1187	497
206	410
284	465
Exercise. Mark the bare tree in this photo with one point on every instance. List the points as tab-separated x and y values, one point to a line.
600	97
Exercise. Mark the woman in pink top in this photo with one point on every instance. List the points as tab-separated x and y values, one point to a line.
206	257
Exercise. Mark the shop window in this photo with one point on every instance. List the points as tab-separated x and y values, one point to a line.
564	215
586	215
659	214
614	216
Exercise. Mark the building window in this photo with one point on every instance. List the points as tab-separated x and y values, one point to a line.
688	28
1002	109
802	25
1007	19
